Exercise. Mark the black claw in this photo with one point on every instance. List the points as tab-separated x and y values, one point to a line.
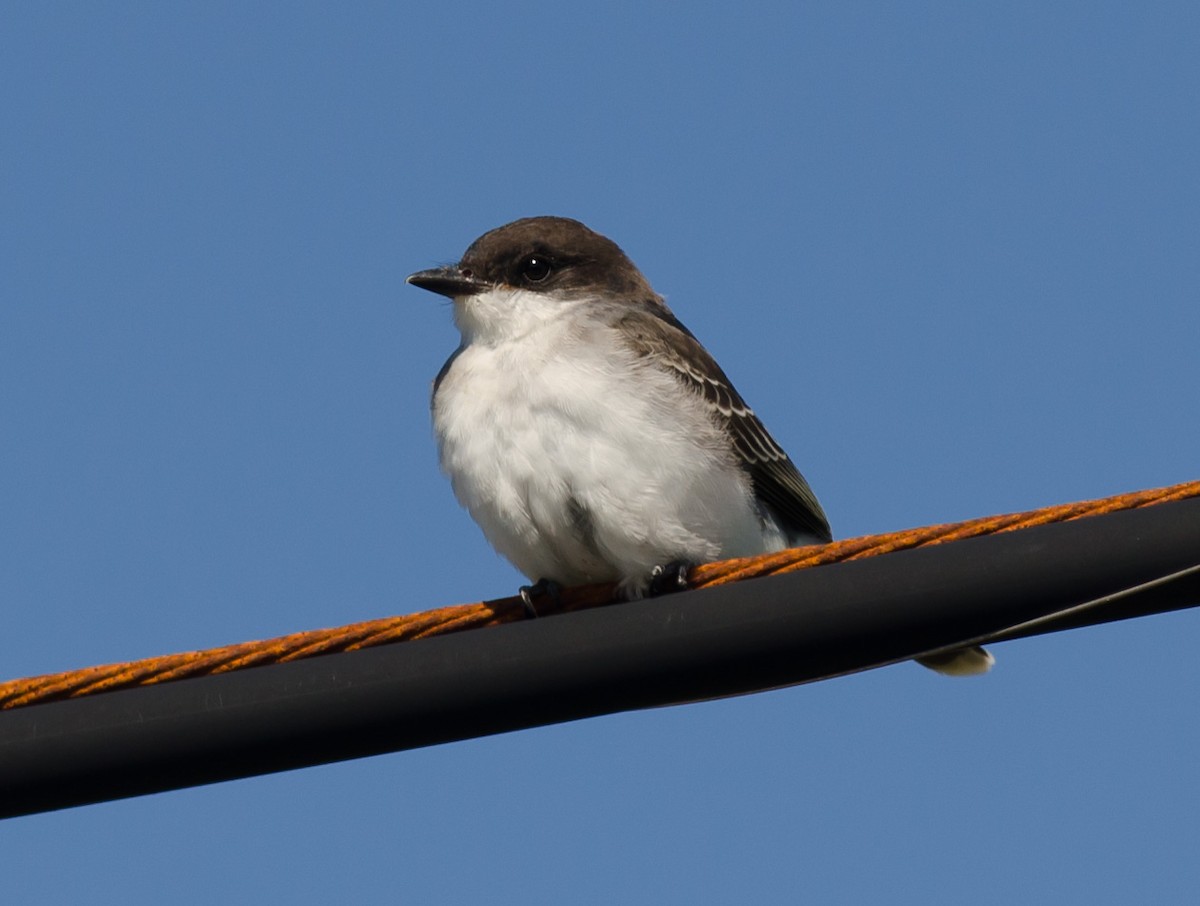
669	577
541	587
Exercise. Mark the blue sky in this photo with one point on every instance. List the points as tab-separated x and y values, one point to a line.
947	251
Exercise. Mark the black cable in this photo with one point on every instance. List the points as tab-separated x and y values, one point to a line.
733	639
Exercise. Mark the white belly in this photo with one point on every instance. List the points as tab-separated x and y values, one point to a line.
576	474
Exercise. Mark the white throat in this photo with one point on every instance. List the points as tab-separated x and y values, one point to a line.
504	314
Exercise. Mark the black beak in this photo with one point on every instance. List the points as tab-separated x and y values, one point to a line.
450	280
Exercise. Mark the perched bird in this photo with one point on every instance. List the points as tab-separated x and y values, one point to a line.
588	432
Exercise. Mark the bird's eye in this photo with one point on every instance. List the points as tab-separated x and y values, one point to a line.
535	268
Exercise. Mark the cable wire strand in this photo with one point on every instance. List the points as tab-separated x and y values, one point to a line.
1049	619
149	671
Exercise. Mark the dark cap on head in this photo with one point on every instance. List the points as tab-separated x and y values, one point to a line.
542	254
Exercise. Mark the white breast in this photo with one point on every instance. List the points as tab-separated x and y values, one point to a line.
580	461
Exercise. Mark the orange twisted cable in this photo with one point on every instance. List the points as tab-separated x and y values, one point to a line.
91	680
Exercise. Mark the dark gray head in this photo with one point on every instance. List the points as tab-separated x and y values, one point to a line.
541	254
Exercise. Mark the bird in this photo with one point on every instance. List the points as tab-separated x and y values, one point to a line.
590	434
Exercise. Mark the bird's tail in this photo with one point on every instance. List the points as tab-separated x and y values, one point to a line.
970	661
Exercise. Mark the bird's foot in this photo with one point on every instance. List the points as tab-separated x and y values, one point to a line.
669	577
547	587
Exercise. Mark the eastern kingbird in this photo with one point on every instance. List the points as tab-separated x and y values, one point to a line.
590	434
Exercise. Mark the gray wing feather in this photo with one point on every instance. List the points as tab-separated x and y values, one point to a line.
652	331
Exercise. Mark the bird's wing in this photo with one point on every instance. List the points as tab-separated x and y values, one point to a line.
652	331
